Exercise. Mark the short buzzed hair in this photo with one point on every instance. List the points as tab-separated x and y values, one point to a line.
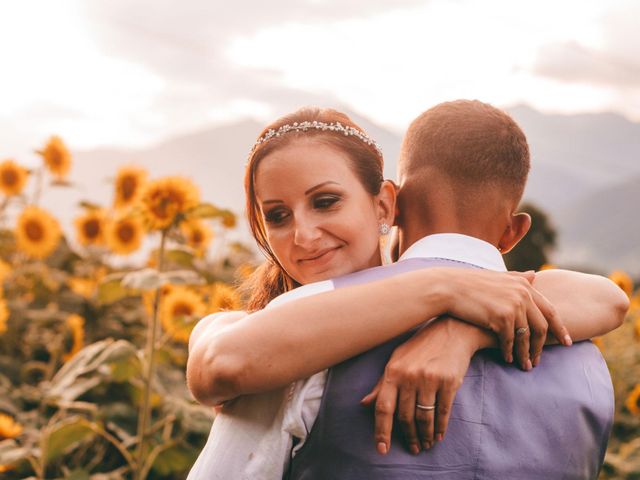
471	142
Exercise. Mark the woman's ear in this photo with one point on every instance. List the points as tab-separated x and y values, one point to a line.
386	203
516	229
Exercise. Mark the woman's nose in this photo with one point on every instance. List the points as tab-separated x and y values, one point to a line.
306	232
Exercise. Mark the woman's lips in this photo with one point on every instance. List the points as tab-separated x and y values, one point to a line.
320	258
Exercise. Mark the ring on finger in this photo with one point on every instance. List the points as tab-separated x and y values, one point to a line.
425	407
521	331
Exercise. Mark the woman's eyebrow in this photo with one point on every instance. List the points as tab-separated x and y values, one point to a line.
320	185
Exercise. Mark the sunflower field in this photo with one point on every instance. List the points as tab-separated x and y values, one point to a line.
93	344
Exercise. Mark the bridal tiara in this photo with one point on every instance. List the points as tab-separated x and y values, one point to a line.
315	125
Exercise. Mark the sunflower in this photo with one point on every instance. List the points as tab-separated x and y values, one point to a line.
57	157
633	400
179	312
598	342
76	325
129	183
37	232
124	235
4	315
197	233
9	428
164	199
223	297
90	227
13	178
623	280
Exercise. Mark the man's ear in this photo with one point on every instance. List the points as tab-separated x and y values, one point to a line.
386	203
516	229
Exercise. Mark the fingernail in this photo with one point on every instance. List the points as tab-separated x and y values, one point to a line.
536	361
382	448
567	340
414	449
510	359
439	437
529	366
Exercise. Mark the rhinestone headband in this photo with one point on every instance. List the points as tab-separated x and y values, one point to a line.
315	125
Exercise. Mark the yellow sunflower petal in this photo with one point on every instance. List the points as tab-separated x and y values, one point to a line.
57	157
623	280
37	232
164	199
9	428
13	178
633	400
5	270
223	297
4	315
75	323
124	235
129	184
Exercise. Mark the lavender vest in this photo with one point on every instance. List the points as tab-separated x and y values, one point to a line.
550	423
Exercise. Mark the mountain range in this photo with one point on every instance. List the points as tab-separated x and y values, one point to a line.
585	176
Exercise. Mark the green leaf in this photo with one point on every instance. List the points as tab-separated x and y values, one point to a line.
77	475
204	210
111	289
181	277
87	368
145	279
180	257
175	459
67	435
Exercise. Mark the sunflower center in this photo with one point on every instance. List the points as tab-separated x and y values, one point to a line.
9	177
91	228
55	158
182	310
197	237
125	232
34	230
128	186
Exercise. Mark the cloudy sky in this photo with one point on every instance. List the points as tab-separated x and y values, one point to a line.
133	72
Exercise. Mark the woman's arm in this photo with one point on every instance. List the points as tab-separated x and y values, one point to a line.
275	346
589	305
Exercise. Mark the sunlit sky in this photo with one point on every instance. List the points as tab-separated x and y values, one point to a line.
130	73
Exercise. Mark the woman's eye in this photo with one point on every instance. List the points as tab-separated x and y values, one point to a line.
276	216
325	202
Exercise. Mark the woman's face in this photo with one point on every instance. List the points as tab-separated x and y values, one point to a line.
320	220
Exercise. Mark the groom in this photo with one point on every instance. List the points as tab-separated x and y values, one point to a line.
463	168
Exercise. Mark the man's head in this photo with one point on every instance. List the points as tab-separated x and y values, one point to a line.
463	167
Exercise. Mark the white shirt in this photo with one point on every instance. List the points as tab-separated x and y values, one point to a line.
252	438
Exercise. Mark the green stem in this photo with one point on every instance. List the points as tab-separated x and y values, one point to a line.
145	410
38	190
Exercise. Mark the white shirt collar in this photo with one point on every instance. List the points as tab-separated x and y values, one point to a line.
455	246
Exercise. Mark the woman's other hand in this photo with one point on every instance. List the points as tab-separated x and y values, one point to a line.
508	305
427	370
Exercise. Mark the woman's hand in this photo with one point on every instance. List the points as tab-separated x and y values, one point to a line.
508	305
426	370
